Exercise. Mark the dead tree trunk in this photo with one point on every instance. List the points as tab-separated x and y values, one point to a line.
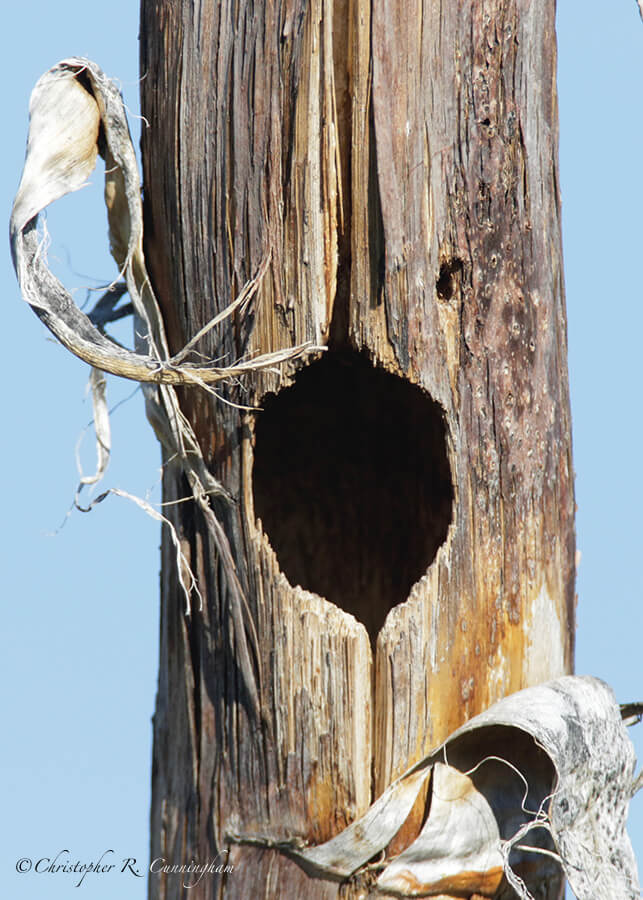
402	513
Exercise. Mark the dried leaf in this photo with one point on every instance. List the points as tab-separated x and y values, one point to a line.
75	112
544	775
459	845
102	429
68	105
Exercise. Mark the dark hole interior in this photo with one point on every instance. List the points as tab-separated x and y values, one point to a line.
446	283
352	484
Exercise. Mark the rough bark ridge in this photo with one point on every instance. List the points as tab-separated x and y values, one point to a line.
398	161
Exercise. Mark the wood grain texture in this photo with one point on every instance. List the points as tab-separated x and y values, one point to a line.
399	161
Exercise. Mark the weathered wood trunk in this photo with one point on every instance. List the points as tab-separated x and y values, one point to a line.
403	515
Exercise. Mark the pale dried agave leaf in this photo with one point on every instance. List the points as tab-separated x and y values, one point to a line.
459	844
76	112
344	854
102	429
62	145
547	771
68	106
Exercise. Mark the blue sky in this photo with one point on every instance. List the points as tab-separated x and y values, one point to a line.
79	648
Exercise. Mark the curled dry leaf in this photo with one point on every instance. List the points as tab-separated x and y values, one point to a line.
75	113
69	106
102	428
458	847
541	778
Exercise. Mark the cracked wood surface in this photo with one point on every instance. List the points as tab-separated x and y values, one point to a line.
399	162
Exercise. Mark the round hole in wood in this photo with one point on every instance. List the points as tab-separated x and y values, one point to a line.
352	483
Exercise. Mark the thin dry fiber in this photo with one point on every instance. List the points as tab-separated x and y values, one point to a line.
69	106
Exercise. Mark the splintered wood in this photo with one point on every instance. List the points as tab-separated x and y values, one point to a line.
398	161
